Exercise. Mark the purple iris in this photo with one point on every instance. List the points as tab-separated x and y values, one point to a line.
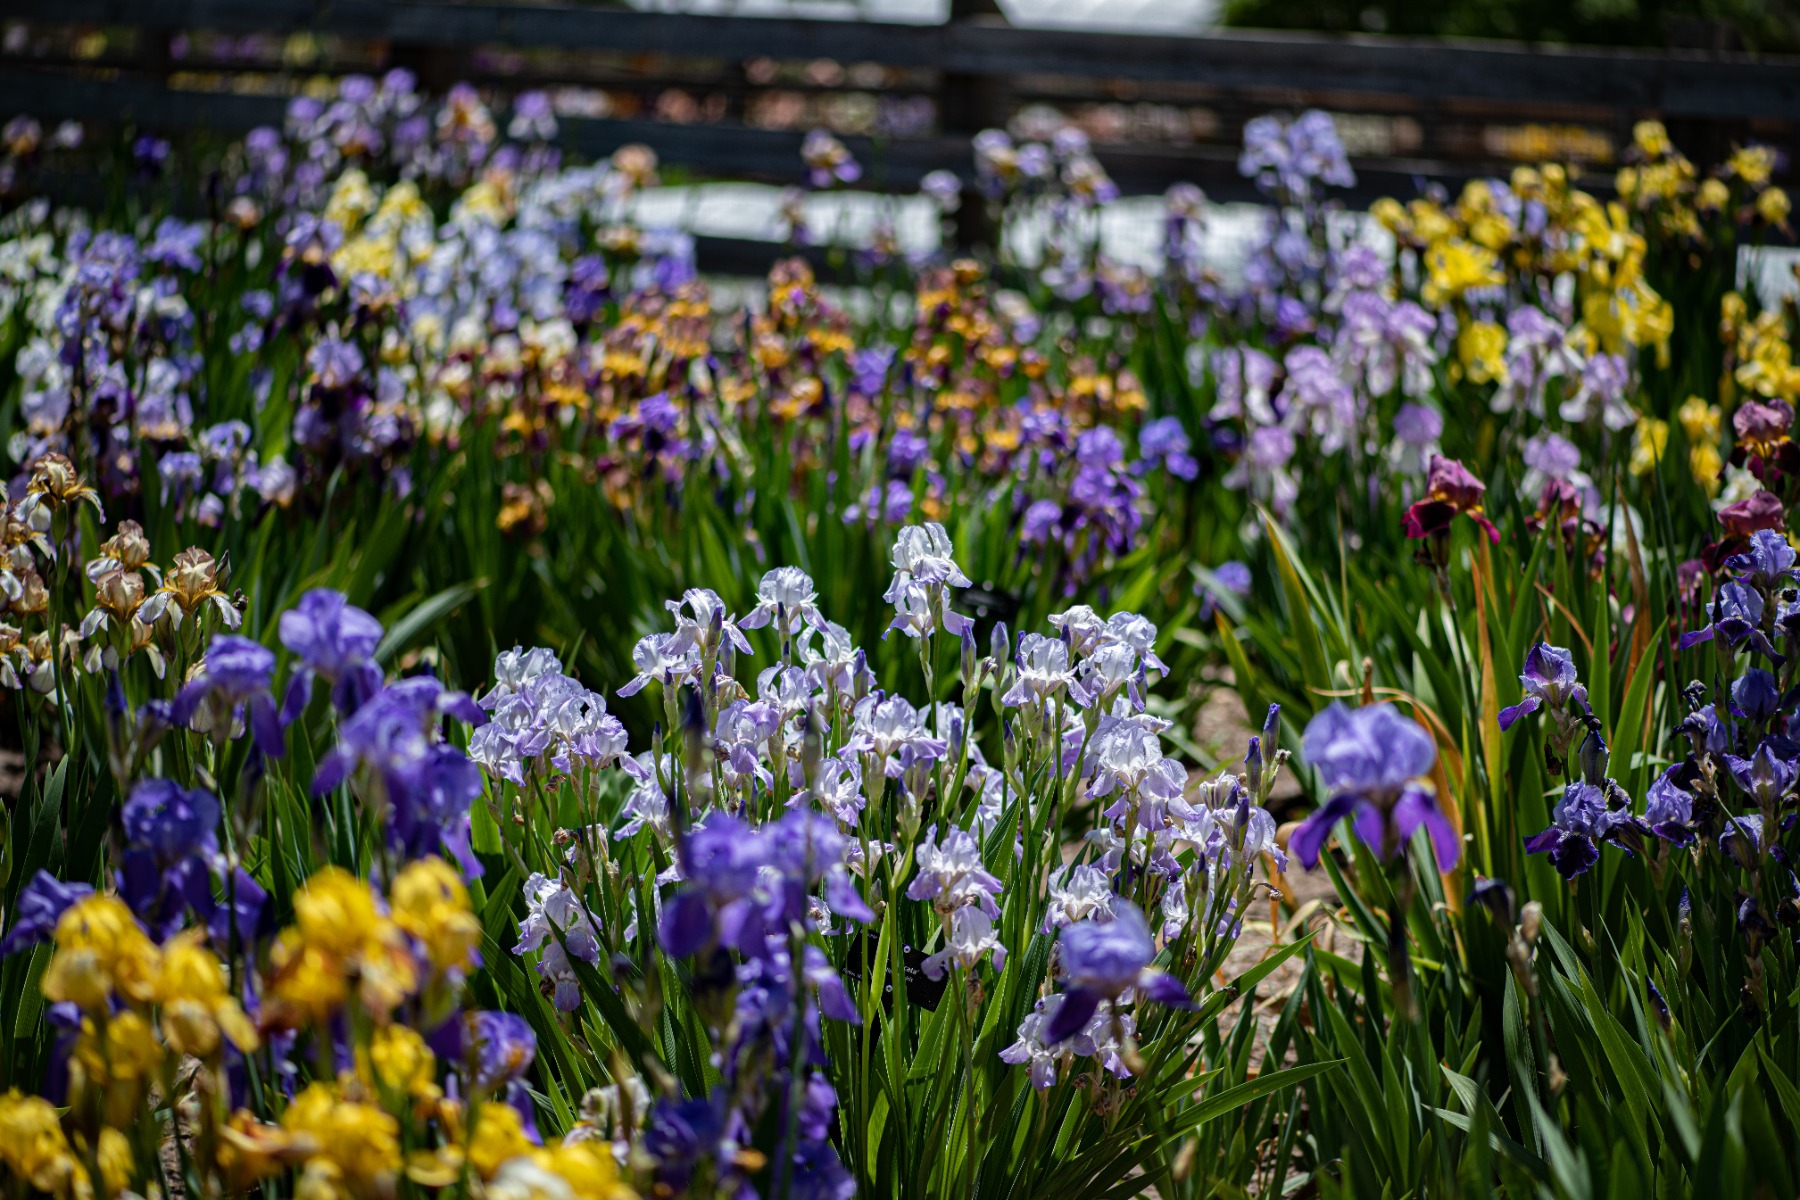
1418	426
1548	679
682	1134
1765	776
1767	564
429	785
1742	839
39	907
1165	443
586	292
1669	805
1372	760
177	244
869	370
1579	823
171	822
905	452
497	1048
243	911
171	833
1228	579
1755	696
720	859
336	641
1101	960
729	900
335	363
1041	521
236	674
1737	617
1706	731
807	849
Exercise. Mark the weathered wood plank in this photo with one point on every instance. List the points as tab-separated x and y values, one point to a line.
1673	84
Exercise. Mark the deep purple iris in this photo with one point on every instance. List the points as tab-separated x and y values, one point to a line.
1768	562
1765	776
1755	696
38	908
1669	806
171	822
1165	443
171	834
727	899
1736	612
1548	679
1582	820
429	784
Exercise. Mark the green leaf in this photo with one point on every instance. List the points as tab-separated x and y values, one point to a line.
1303	625
1236	1097
1628	731
423	616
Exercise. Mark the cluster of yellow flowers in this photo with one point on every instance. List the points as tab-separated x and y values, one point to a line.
342	944
1702	424
1760	359
386	233
1489	249
144	1010
156	1020
345	1141
1481	248
1664	184
35	1148
137	1000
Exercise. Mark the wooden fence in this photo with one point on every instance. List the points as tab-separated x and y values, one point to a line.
733	97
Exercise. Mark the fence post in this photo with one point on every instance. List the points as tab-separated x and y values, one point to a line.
967	104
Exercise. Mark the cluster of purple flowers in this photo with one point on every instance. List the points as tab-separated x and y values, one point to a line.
1103	507
793	799
1731	798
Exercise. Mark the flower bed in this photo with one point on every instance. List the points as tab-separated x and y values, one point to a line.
883	860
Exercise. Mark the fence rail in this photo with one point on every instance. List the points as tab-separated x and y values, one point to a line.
1672	84
1434	109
